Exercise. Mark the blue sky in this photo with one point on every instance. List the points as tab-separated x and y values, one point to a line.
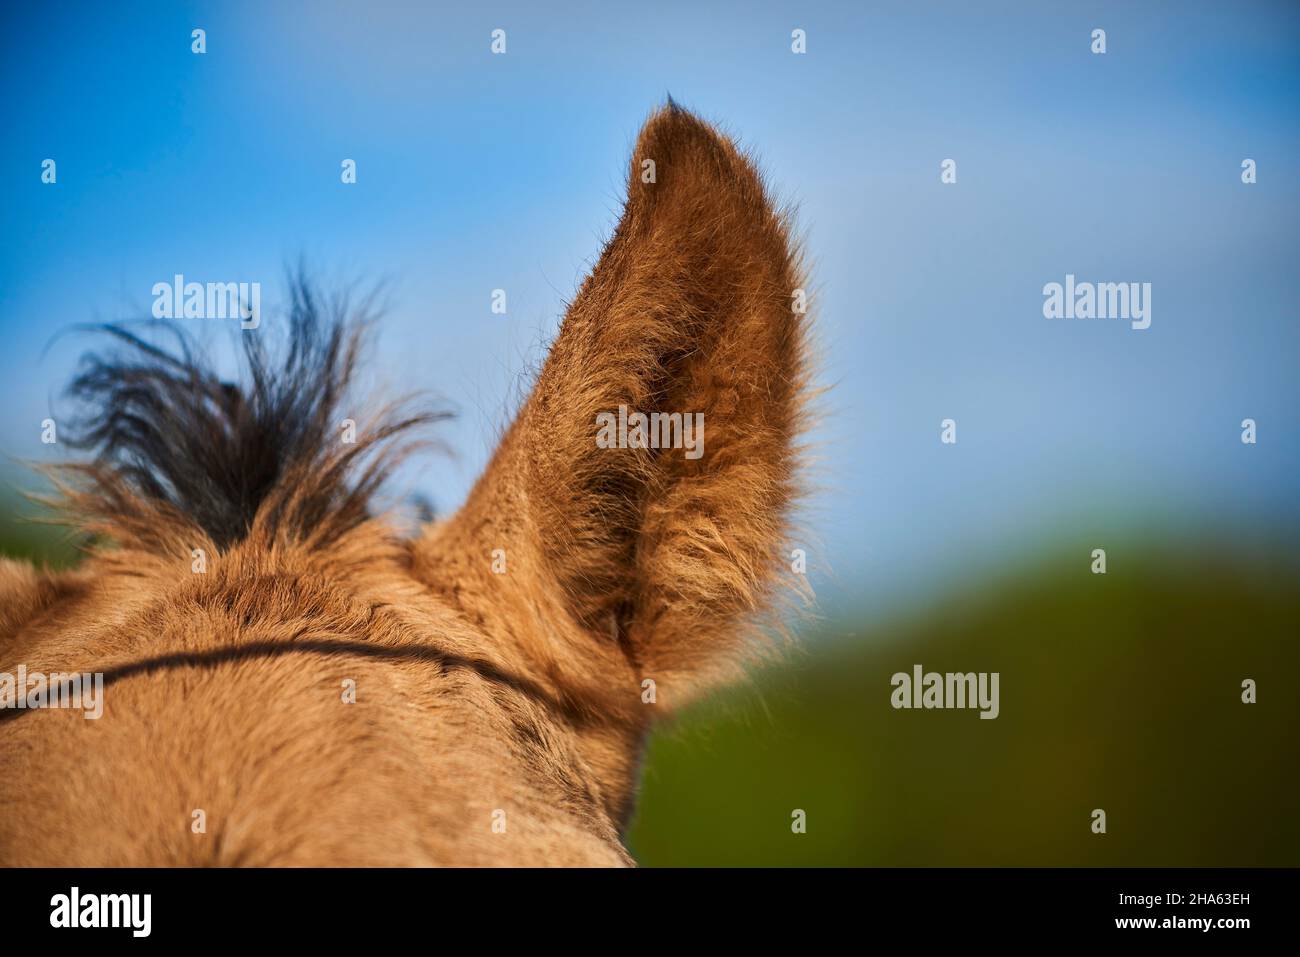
478	172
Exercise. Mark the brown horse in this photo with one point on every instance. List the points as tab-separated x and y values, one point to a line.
289	680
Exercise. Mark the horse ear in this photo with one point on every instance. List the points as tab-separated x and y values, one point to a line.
690	334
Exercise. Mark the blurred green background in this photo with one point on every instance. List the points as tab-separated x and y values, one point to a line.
1119	691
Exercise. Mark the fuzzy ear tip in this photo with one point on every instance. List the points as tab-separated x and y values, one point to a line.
672	128
686	154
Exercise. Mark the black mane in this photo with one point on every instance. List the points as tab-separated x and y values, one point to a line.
168	435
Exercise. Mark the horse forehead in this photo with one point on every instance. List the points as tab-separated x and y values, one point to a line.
290	666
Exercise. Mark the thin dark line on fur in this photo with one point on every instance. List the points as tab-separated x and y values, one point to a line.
406	652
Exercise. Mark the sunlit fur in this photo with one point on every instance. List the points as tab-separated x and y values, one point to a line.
476	692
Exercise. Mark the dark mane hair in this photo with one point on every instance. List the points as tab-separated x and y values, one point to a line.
173	443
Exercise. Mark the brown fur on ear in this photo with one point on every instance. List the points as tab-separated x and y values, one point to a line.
689	310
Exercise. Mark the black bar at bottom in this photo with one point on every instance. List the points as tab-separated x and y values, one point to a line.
214	906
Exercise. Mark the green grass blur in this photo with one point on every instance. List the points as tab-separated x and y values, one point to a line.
24	534
1120	692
